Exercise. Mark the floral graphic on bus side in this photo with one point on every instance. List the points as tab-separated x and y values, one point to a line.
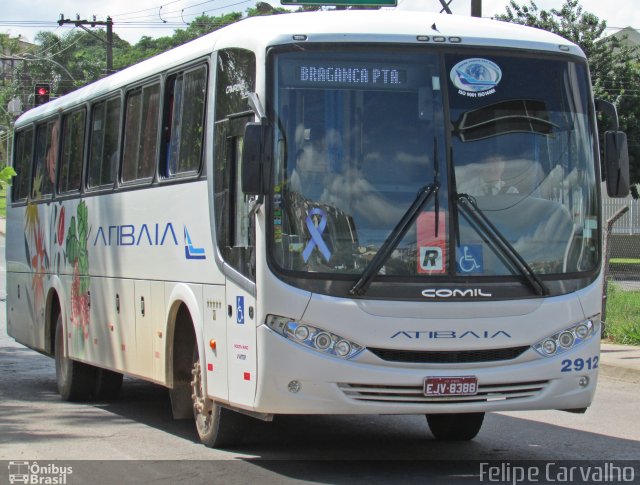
77	256
37	256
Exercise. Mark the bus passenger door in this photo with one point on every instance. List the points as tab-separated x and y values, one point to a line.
235	234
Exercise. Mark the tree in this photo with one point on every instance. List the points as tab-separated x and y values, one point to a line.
615	70
9	47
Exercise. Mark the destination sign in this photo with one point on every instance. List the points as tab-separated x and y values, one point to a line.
328	74
343	75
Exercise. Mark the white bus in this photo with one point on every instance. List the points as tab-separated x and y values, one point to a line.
342	212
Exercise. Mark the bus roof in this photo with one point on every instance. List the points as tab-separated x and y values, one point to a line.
394	25
344	26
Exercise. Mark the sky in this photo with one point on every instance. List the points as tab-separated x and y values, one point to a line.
156	18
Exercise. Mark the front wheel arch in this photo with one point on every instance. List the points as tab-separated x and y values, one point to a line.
182	340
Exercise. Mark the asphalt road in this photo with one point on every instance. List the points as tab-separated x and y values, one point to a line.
36	425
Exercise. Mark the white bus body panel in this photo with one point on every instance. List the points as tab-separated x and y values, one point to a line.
131	250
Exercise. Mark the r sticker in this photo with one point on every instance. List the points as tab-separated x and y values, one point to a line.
476	77
431	259
432	243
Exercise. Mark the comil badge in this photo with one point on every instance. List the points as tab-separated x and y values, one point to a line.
476	77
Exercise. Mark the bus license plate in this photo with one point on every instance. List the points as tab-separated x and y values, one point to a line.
451	386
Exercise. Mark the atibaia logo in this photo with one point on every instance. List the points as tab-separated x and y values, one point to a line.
476	77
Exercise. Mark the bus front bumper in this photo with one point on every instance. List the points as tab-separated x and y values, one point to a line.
295	380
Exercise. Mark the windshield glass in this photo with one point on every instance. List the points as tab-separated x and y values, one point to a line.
522	147
358	137
360	133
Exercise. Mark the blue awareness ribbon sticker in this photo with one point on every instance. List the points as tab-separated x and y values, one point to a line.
316	235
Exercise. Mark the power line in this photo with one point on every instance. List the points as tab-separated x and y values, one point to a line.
157	14
146	9
109	42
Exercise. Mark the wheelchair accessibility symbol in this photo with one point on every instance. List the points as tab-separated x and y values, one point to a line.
469	258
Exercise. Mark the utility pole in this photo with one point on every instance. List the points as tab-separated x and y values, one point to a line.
476	8
109	42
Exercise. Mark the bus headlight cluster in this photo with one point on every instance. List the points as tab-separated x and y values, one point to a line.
568	338
313	337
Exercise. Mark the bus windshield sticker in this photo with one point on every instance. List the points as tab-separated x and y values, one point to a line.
316	228
469	258
277	215
476	77
432	250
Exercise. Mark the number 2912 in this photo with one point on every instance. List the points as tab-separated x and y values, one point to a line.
569	365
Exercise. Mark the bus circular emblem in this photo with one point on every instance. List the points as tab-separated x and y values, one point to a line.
475	75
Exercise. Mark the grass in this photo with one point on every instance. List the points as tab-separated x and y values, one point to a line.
623	316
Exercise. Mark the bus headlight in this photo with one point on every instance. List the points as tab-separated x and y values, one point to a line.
568	338
313	337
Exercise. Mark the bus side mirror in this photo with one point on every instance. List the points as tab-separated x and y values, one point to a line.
616	154
253	159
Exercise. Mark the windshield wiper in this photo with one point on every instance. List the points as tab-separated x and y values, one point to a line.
474	214
394	239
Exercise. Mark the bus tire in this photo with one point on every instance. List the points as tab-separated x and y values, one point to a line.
74	379
217	426
455	427
107	385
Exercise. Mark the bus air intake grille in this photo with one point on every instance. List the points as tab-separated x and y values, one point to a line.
452	357
415	394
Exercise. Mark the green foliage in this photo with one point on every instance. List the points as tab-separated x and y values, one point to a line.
6	174
615	71
148	47
71	61
623	309
263	8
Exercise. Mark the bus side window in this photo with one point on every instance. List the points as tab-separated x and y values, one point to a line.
234	228
183	127
43	175
104	145
140	135
72	151
22	165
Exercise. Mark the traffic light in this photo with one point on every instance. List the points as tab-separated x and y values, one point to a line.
42	92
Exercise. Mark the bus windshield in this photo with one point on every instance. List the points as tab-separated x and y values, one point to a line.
361	132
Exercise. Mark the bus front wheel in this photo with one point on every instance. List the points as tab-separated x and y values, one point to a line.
75	380
217	427
455	427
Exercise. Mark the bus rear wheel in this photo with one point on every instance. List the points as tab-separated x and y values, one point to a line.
217	427
75	380
455	427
